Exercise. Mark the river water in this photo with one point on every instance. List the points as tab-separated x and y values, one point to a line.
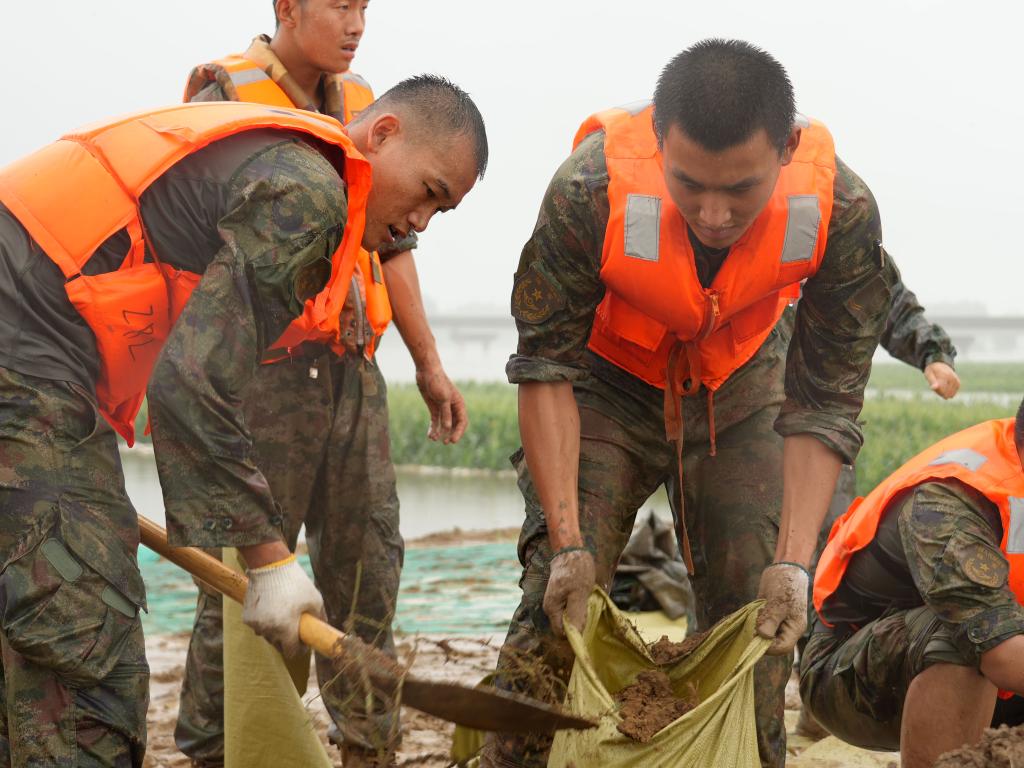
456	589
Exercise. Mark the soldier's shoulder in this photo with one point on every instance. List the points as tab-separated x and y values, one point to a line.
853	200
355	77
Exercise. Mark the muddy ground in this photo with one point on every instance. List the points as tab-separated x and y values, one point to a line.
427	740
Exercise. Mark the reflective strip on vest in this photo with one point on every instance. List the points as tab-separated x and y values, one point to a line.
801	228
1015	536
965	457
643	226
636	107
247	77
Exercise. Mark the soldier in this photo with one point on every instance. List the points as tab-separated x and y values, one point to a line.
264	209
910	338
919	596
647	301
320	422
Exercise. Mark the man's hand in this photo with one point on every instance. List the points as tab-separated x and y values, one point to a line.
569	587
277	596
942	379
448	418
783	619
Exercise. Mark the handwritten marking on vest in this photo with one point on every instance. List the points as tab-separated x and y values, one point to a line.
801	228
965	457
643	226
1015	536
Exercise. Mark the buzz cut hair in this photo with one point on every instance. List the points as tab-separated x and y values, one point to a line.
438	107
721	92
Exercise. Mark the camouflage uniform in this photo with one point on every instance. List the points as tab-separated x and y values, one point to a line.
262	225
910	338
732	500
320	437
931	588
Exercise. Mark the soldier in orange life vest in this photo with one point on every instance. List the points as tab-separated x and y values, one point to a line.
303	415
190	241
647	300
919	640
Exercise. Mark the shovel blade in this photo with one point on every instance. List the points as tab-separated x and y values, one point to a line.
487	709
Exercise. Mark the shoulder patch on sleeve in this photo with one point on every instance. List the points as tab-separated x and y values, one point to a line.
535	297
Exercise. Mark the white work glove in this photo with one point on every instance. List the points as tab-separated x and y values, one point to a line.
569	587
277	596
783	619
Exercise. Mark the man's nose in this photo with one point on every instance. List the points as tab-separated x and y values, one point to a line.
714	212
419	219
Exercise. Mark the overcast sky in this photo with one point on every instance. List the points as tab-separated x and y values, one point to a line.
923	97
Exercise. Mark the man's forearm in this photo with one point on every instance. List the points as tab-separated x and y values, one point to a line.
809	472
549	423
407	310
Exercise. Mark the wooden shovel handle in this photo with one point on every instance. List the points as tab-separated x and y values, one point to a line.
314	632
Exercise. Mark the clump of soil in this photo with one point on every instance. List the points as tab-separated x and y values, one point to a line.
665	651
648	705
1001	747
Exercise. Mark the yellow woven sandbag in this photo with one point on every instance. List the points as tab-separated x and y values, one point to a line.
610	654
265	723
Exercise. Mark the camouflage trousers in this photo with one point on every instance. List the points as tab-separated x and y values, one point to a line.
731	500
855	682
74	682
320	430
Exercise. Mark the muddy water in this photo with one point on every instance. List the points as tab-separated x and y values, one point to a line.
432	502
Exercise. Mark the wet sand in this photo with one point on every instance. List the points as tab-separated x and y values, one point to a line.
426	740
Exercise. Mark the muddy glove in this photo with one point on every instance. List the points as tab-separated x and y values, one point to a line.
277	596
569	586
783	619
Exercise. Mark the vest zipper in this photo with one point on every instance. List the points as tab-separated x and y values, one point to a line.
711	314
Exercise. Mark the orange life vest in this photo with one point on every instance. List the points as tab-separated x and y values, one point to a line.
253	84
656	320
983	457
72	195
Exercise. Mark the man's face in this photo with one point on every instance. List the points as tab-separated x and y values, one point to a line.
413	179
720	194
328	32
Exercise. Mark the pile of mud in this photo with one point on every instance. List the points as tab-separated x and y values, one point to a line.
1001	747
665	651
648	705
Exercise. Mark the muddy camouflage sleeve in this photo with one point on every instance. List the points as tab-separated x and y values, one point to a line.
558	284
285	220
839	320
909	337
951	535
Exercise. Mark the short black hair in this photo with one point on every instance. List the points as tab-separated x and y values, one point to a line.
720	92
441	107
1018	428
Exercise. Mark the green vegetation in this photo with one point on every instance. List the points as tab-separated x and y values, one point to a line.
975	377
894	428
897	429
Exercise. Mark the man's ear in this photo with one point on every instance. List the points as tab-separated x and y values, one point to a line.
791	144
286	11
384	128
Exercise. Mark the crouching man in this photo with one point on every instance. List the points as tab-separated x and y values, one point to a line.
919	640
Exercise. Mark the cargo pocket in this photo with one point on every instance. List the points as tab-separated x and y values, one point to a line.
71	603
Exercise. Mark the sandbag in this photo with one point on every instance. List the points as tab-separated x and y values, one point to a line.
610	654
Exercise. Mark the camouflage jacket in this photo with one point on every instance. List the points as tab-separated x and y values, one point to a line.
938	545
282	215
839	319
909	337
